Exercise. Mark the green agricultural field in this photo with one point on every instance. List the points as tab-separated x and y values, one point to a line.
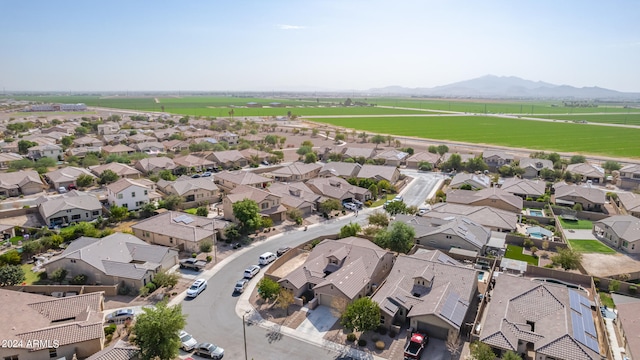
609	118
576	225
515	252
539	135
590	246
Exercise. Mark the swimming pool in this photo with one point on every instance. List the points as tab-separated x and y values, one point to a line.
481	276
535	212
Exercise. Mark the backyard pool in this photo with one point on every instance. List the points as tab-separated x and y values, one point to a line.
481	276
535	212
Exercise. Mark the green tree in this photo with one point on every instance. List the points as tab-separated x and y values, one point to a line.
108	177
11	257
611	165
118	213
165	279
614	285
396	207
425	166
285	299
268	289
166	175
271	140
442	149
433	149
361	315
398	238
310	158
231	233
481	351
202	211
171	202
363	135
510	355
476	164
577	159
85	180
206	246
81	131
247	213
66	141
11	275
24	145
379	219
340	137
373	189
156	331
351	229
147	210
378	139
90	160
304	150
58	275
454	163
21	164
567	258
330	205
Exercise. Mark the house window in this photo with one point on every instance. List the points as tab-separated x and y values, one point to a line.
265	205
119	196
133	194
95	213
146	192
12	357
76	217
633	246
53	353
125	205
382	319
625	243
171	240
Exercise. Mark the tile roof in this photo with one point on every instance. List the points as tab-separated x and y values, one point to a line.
630	201
586	169
484	215
242	177
223	157
424	156
392	154
71	200
155	163
470	197
119	350
183	185
536	164
460	226
118	168
627	227
125	183
524	186
589	193
383	172
334	187
19	178
117	148
191	160
242	192
200	228
68	173
628	317
341	169
497	153
476	181
631	168
355	152
296	168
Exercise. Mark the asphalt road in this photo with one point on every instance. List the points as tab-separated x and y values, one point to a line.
211	316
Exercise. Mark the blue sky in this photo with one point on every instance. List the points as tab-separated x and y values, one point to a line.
314	45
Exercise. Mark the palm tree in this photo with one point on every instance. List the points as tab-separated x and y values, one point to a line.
389	139
363	135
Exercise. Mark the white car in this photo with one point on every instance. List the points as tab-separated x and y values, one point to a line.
251	271
196	288
187	342
350	206
240	286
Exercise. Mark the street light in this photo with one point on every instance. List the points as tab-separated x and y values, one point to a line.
213	234
244	334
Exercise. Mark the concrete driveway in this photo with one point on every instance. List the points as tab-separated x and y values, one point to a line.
422	187
318	322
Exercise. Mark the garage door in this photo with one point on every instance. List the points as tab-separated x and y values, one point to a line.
433	331
324	299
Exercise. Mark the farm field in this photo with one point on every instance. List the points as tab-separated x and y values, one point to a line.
610	118
590	246
551	136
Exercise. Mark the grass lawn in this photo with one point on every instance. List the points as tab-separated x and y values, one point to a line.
191	211
30	276
606	300
558	136
590	246
515	252
14	240
577	225
383	199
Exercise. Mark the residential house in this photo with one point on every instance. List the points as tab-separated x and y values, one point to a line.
193	162
392	157
119	258
296	171
40	139
119	150
620	232
149	147
496	158
253	139
229	137
123	170
590	198
164	134
589	172
494	197
66	176
194	192
524	188
115	139
229	180
338	188
81	152
176	146
492	218
64	328
228	159
66	128
476	181
132	194
179	230
340	271
140	138
628	324
154	165
9	147
341	169
523	316
379	172
532	167
74	206
414	160
23	182
629	177
452	232
630	203
120	350
268	203
7	158
430	291
253	154
87	141
356	153
297	195
109	128
41	151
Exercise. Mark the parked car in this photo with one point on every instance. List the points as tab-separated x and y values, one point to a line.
196	288
206	174
240	286
251	271
62	190
195	176
266	258
120	315
398	198
187	342
237	245
265	162
282	250
350	206
210	350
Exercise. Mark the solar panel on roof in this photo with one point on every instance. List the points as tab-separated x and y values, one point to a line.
183	219
578	328
589	326
574	301
454	309
593	344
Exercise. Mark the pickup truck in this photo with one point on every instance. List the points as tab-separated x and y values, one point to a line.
416	345
192	263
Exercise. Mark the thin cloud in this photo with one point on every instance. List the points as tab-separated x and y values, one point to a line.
290	27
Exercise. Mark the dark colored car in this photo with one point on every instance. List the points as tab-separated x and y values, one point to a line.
282	250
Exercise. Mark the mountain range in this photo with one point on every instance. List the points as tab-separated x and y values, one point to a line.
491	86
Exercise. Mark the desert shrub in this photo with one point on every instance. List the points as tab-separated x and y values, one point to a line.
151	286
123	289
194	255
79	279
362	342
549	266
206	246
109	330
209	258
351	337
144	291
380	345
